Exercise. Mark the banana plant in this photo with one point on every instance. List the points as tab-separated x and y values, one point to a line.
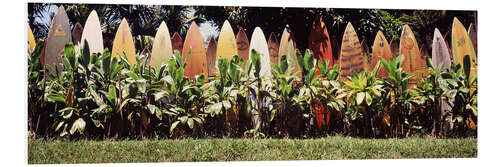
461	88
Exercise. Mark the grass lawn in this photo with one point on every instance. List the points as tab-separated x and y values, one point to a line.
42	151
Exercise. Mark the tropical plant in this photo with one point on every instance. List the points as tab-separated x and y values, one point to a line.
364	91
431	95
461	89
182	98
287	112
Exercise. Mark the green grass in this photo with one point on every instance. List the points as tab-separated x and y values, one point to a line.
87	151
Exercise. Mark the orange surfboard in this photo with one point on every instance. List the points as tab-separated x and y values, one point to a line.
162	47
31	40
59	35
473	35
394	47
197	61
211	57
226	44
177	43
413	62
124	43
76	34
462	45
243	45
273	45
440	52
380	49
287	48
352	59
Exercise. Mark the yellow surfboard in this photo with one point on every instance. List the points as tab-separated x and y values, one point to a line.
93	34
413	62
380	49
162	47
462	45
197	61
226	45
287	48
31	39
124	43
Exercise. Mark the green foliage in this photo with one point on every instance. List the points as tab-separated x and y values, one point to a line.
96	95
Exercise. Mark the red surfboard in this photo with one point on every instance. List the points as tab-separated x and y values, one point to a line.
320	45
177	43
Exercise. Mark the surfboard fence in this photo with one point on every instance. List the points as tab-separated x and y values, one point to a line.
100	96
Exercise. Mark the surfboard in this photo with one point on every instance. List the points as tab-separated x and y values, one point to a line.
365	51
462	45
380	49
31	40
226	45
93	34
440	52
258	43
124	43
177	43
413	62
212	57
473	35
197	61
352	59
319	42
243	45
76	34
287	48
394	47
273	45
59	35
162	47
